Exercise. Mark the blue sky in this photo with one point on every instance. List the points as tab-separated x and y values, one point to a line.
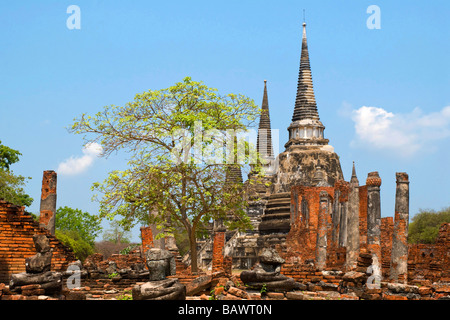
382	94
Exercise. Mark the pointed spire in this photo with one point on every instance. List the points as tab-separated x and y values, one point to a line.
354	180
306	128
264	139
233	174
305	102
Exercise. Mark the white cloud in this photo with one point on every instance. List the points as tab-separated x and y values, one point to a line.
404	134
76	165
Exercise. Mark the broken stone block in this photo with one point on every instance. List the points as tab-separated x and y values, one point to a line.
50	281
161	263
41	243
270	260
295	295
238	293
40	262
199	284
354	276
168	289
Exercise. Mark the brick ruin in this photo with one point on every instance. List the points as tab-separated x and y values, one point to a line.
328	232
17	228
323	226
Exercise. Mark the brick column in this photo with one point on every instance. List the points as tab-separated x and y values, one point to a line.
373	183
343	188
48	201
322	230
399	254
335	218
352	252
218	245
147	238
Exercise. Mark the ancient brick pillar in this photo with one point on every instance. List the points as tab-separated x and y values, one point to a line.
217	254
340	220
343	227
322	229
399	253
335	218
48	201
353	223
373	183
147	238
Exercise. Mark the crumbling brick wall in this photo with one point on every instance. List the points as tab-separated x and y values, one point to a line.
363	218
217	254
431	261
387	230
147	238
301	239
16	243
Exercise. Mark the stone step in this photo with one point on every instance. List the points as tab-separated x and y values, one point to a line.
278	203
280	195
285	209
279	216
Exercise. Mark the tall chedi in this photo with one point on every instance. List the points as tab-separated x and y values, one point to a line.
307	150
260	176
308	159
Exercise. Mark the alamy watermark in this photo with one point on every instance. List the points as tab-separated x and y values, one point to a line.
74	280
224	147
74	20
374	20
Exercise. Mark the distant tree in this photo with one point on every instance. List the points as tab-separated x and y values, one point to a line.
425	225
86	225
107	248
117	234
11	185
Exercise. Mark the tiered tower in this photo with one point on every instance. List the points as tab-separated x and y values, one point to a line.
307	161
307	150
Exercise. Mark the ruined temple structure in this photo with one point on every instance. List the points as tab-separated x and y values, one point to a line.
303	208
314	236
18	231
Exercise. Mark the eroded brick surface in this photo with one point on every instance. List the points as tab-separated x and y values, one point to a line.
16	242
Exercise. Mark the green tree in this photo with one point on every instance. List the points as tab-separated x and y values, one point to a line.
168	182
117	234
8	156
80	247
425	225
86	225
11	185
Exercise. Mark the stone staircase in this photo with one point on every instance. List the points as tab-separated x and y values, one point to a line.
276	218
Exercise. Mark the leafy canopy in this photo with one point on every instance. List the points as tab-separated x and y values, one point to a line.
175	176
11	185
86	225
425	225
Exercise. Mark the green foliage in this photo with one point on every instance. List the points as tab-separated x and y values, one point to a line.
86	225
425	225
263	289
8	156
126	295
117	234
81	248
128	249
11	186
167	182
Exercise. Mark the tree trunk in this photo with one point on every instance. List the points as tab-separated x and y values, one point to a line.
193	247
